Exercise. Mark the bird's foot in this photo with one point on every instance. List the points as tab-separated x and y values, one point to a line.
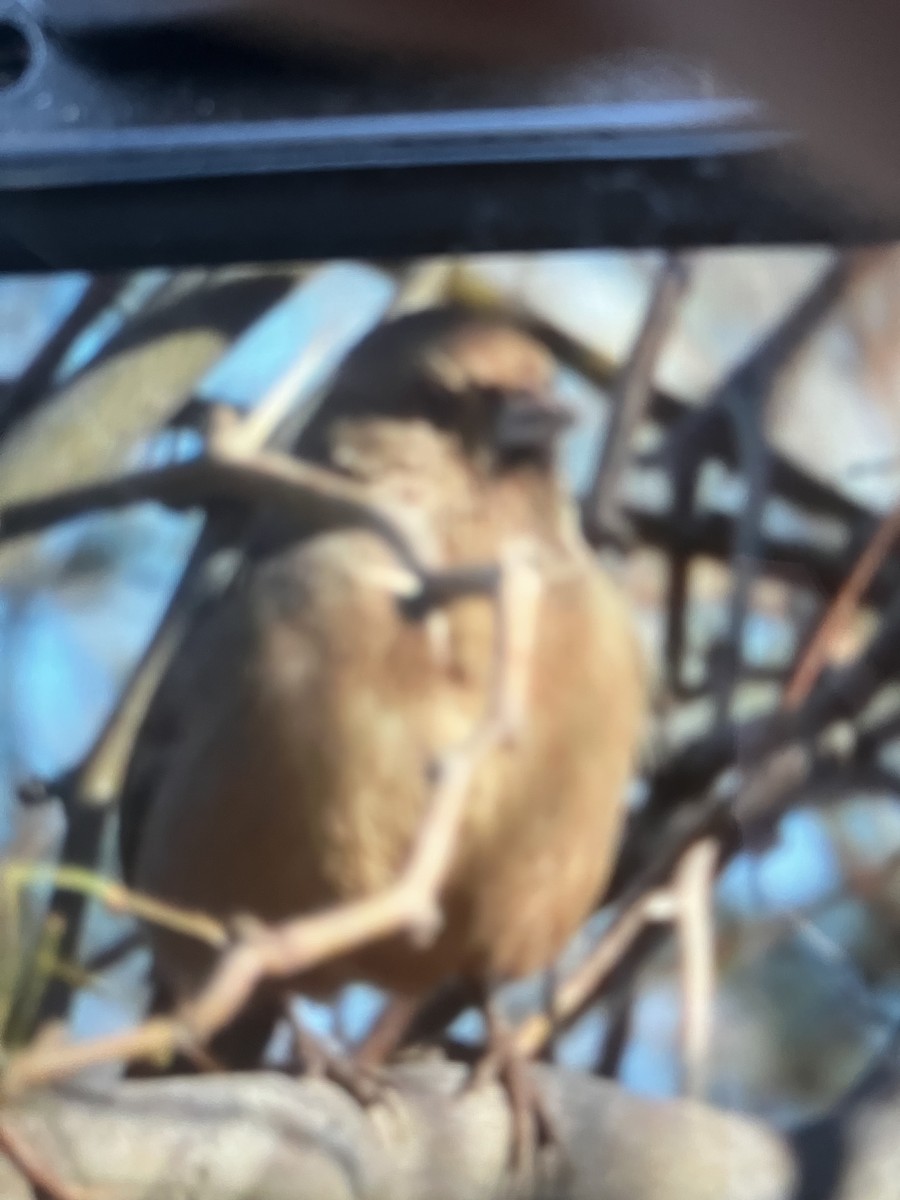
533	1126
314	1058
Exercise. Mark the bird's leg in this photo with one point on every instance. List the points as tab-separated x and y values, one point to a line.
387	1033
317	1059
549	989
533	1125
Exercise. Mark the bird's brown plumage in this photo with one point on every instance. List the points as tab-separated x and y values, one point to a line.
299	724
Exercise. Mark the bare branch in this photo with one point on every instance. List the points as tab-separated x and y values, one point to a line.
692	889
575	991
631	398
39	1176
117	898
37	379
840	612
312	497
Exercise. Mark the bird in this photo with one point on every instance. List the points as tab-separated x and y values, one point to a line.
285	765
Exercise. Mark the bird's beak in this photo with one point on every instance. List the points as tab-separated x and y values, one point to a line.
526	421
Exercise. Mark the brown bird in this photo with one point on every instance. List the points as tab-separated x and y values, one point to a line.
285	763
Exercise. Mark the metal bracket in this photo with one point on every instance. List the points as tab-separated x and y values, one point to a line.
125	144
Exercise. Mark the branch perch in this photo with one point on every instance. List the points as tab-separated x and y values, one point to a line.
275	1138
314	498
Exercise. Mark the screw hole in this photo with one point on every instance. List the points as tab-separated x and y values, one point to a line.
15	54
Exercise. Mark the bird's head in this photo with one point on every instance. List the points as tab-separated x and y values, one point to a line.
482	383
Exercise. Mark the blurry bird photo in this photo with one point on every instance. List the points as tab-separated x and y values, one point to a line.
449	728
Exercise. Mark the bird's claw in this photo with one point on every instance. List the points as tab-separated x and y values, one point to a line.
533	1125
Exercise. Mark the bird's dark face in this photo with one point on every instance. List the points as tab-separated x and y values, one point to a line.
481	382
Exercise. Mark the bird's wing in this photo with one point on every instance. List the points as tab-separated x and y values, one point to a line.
164	725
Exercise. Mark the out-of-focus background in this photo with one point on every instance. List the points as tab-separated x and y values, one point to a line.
808	953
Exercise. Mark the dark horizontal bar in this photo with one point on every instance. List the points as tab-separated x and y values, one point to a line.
397	212
618	133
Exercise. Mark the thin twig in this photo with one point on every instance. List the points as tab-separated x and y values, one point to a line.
755	801
736	406
113	953
631	399
261	426
793	483
841	694
118	899
683	501
755	376
102	773
38	1176
839	613
620	1017
748	426
747	400
575	993
787	558
579	988
99	779
34	973
312	497
647	901
37	379
692	888
80	850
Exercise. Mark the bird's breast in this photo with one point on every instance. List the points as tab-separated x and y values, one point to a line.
302	778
